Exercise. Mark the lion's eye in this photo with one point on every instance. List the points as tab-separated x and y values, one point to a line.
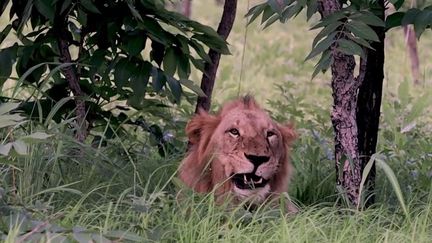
270	134
234	132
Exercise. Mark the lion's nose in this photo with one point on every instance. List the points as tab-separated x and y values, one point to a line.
257	160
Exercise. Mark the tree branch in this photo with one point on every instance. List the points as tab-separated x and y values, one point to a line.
210	69
71	75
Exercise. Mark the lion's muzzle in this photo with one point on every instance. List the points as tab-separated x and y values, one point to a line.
248	181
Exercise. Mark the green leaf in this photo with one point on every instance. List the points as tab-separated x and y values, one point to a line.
5	32
65	5
158	79
368	18
192	86
82	17
323	64
257	8
157	52
10	120
135	44
5	149
270	21
26	15
7	59
322	46
394	182
170	61
312	7
326	31
124	69
329	19
97	59
155	31
214	44
20	147
139	84
3	5
255	11
350	47
200	50
37	136
183	66
397	3
175	88
133	10
206	30
410	16
46	8
365	174
362	30
183	43
394	20
55	109
88	4
275	6
198	63
268	12
8	107
360	41
423	20
291	11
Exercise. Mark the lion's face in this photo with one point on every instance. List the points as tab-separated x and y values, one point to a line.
248	146
241	151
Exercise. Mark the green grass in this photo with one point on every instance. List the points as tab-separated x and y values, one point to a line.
126	190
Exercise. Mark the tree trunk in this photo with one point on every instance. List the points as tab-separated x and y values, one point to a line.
209	75
187	8
343	116
71	75
369	105
411	45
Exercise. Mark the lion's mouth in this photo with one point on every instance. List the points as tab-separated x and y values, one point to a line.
248	181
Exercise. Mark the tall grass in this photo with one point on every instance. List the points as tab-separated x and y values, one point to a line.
67	191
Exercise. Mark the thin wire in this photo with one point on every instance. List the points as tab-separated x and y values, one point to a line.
243	53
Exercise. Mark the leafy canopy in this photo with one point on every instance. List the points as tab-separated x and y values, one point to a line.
133	51
349	30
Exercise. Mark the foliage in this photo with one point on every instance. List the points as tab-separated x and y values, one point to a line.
420	18
119	192
122	186
405	139
349	30
128	56
9	121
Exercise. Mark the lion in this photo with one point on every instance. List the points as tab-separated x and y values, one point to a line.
239	153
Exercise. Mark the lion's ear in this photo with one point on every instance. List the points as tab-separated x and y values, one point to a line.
288	133
201	124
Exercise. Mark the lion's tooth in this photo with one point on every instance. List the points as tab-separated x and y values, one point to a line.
245	179
260	180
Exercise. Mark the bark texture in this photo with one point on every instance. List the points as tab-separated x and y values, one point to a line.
210	69
187	8
343	116
71	76
369	105
411	45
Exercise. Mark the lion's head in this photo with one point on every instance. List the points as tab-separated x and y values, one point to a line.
239	151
